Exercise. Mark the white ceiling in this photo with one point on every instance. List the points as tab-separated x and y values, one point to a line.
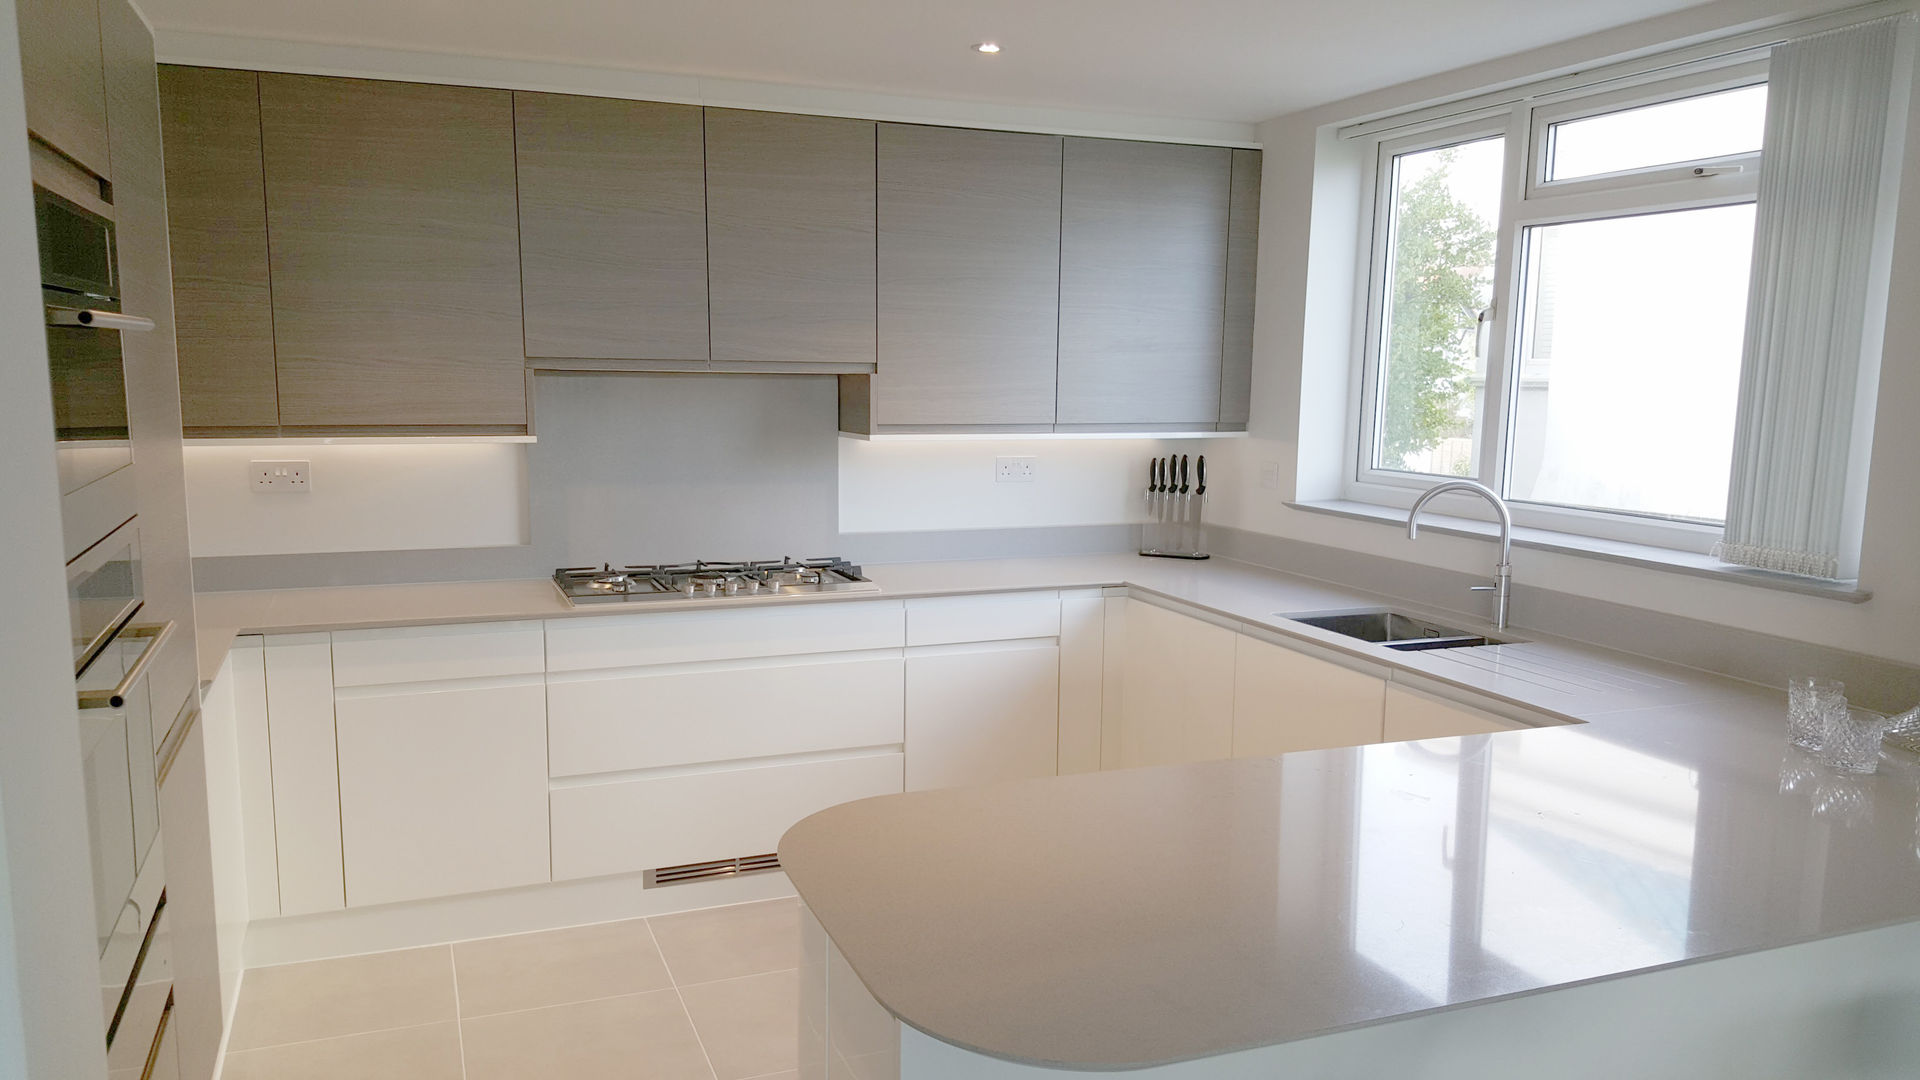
1221	60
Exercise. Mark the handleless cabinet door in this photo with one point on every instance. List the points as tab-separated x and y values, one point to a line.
790	239
1143	264
1176	701
217	221
64	78
396	254
969	277
1284	700
1411	715
1243	254
613	235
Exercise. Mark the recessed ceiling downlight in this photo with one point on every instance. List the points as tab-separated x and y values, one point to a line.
988	47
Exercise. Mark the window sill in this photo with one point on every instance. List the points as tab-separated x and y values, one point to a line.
1653	558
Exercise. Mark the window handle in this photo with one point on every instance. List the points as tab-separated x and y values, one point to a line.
1717	170
1481	322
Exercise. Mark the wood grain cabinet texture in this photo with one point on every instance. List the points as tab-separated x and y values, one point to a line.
63	77
395	251
790	240
613	228
217	222
1143	267
969	277
1243	254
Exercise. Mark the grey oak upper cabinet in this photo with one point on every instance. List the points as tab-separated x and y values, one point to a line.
217	219
790	241
969	278
64	78
613	233
395	255
1243	253
1143	266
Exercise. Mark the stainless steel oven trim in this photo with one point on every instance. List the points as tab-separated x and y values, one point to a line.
95	319
157	636
139	961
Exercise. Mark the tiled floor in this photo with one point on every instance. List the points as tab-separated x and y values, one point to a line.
702	995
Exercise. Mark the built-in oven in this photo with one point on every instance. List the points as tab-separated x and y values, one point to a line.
80	288
103	591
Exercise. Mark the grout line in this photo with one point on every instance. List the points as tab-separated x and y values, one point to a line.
567	1004
682	998
736	978
232	1050
459	1019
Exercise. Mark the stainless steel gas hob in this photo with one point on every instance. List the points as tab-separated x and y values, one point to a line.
609	584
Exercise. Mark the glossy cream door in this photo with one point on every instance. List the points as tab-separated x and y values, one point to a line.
1284	700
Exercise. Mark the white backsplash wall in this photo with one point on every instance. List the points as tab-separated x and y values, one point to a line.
626	467
361	497
940	485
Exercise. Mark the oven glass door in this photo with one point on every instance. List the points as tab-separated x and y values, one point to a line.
103	592
123	805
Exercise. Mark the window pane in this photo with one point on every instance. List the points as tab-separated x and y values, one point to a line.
1439	278
1690	129
1630	362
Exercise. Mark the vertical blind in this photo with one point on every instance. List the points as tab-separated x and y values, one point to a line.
1821	180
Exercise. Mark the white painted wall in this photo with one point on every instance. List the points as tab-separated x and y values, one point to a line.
49	974
926	486
1304	318
379	497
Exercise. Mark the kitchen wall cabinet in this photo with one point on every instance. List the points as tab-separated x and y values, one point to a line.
443	790
64	79
1411	714
1143	269
969	258
1177	679
1285	700
217	220
394	245
1243	255
790	240
613	235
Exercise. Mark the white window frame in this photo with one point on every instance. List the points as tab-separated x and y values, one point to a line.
1529	200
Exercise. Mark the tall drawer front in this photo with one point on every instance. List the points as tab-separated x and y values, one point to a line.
684	637
638	825
948	620
430	653
643	721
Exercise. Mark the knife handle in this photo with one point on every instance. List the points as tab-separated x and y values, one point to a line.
1200	474
1183	474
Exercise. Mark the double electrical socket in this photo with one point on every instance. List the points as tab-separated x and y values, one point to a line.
1014	470
279	477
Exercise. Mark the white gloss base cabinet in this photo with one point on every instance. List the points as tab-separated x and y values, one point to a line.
1176	681
1411	715
1285	700
443	791
980	714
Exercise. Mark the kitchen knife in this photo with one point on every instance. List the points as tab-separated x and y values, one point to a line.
1199	502
1186	500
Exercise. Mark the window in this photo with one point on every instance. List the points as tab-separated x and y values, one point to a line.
1557	304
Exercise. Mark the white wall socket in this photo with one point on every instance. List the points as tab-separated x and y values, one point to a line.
1014	470
1270	475
279	477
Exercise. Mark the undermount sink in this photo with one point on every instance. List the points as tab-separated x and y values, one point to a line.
1393	629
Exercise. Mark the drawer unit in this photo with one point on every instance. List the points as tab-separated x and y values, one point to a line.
753	630
952	619
411	654
644	824
651	718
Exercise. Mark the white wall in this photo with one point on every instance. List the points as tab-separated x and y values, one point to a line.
49	976
1304	316
925	486
361	497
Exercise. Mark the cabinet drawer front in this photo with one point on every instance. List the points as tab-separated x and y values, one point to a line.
674	820
687	637
952	619
442	793
431	653
642	721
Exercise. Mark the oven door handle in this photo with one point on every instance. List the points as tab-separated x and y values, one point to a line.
115	698
95	319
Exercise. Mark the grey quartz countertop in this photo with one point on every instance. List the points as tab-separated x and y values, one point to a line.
1147	916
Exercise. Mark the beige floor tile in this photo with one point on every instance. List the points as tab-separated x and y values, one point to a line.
638	1037
790	1074
727	942
529	971
750	1026
324	998
416	1053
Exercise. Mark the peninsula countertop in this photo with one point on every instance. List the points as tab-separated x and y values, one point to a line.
1142	917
